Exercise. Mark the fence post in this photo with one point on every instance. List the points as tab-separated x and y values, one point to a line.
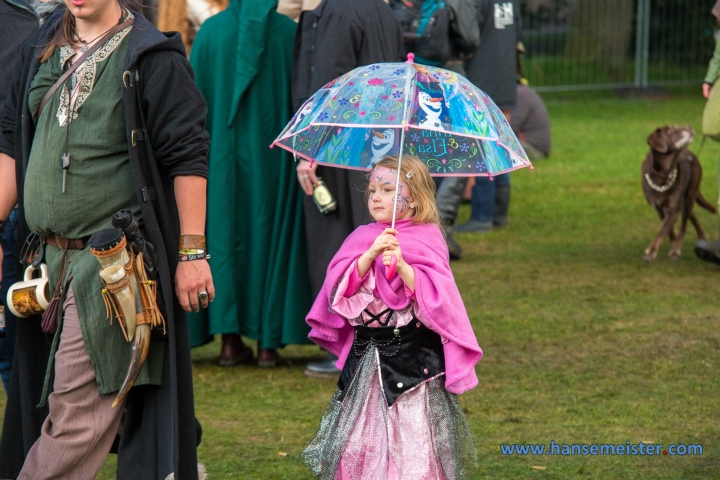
642	37
646	45
638	42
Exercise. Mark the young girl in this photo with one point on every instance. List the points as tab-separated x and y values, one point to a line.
405	345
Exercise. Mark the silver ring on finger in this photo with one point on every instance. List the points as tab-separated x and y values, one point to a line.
202	296
303	177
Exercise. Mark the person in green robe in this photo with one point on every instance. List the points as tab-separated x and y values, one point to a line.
255	229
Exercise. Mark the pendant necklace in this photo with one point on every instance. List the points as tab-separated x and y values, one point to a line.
86	45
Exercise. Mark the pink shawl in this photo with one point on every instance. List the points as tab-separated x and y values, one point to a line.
423	247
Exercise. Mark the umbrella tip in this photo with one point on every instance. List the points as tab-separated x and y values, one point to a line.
410	58
272	145
491	178
532	168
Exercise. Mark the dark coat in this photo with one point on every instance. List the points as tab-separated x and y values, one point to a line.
333	39
341	35
18	22
493	68
160	434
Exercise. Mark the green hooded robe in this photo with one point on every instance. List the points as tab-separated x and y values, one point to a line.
242	59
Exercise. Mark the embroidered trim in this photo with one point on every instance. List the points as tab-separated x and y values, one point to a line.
85	75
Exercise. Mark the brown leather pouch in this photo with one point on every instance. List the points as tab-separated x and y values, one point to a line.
50	315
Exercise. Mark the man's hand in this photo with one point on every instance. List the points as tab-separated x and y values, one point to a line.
707	88
306	176
192	278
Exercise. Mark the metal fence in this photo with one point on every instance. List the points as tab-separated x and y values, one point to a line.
593	44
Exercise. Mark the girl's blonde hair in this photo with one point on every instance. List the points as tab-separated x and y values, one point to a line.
416	176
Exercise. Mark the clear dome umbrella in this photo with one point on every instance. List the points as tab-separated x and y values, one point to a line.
385	109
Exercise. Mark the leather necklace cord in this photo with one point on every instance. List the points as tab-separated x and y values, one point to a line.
80	61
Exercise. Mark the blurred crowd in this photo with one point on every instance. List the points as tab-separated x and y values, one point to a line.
255	63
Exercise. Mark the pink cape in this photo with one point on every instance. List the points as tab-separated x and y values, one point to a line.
424	248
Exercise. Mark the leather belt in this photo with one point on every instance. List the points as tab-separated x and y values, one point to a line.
66	243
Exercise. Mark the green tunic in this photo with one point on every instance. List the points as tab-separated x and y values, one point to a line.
242	59
98	185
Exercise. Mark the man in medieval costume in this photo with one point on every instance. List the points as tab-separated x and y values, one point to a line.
242	59
94	124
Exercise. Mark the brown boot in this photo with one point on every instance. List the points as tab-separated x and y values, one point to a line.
234	351
267	357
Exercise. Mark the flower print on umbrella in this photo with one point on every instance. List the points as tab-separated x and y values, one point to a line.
323	116
399	71
480	166
464	147
397	94
343	102
376	82
415	137
374	67
444	165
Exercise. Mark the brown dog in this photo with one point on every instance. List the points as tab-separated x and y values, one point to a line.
671	178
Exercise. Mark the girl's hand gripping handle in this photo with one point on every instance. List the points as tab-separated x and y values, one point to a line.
384	242
390	269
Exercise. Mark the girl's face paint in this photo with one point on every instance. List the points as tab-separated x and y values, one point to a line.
382	196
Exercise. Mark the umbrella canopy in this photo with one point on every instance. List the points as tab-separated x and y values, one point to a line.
404	108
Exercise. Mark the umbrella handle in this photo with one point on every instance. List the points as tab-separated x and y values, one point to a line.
390	269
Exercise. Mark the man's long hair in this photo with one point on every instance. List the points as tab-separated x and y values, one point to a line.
66	33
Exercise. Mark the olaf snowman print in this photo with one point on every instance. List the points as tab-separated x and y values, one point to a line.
432	108
382	143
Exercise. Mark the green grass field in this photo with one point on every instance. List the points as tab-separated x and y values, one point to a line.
583	341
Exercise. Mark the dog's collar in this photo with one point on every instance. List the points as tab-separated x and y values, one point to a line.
663	188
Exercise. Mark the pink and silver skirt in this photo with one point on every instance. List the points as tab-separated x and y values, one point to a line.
391	417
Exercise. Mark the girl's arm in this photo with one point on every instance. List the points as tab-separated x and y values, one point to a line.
407	273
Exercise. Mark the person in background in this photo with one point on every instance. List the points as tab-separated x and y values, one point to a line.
186	16
493	69
294	8
705	249
331	40
18	21
256	233
529	118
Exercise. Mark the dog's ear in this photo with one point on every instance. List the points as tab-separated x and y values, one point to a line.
657	141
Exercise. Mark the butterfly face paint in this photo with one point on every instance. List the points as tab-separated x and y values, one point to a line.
382	195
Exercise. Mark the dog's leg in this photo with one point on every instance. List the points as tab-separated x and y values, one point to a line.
675	251
700	232
676	245
669	216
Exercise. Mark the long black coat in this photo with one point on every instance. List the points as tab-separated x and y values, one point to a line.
333	39
159	434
